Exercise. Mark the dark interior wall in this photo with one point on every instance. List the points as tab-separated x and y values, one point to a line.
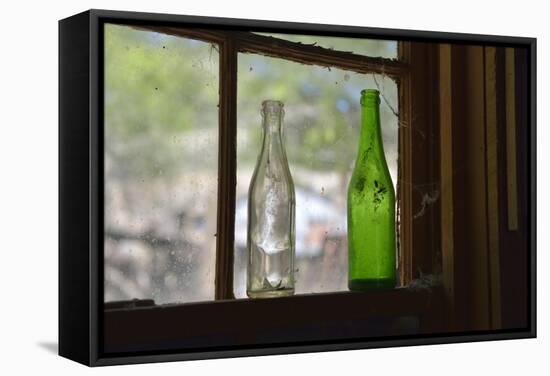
490	261
515	248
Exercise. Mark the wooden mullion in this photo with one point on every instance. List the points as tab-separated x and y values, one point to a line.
316	55
227	168
404	179
418	182
425	189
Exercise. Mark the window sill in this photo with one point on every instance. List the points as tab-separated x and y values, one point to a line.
327	317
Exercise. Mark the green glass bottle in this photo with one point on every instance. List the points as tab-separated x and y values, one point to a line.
371	207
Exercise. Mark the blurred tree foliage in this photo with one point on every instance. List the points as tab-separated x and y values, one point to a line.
321	110
161	144
159	87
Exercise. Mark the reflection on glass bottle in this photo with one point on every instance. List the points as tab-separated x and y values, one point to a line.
271	212
371	207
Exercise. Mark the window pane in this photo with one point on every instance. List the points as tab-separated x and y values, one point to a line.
161	151
359	46
321	133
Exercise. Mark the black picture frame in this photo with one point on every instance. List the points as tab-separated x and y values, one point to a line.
81	316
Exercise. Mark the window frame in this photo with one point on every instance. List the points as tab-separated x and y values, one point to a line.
230	44
414	251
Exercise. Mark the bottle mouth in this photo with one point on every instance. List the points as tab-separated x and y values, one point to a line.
369	92
272	107
370	95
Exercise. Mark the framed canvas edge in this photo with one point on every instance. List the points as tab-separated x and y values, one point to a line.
282	349
97	17
312	28
96	190
532	170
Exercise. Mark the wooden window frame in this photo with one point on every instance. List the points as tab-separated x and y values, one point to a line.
411	86
413	67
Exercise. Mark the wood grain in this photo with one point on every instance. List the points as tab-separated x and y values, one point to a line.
492	171
227	169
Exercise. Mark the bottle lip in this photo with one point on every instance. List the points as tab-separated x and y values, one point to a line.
369	92
370	96
272	104
272	107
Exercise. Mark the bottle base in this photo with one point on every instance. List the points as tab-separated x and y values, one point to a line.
270	293
371	284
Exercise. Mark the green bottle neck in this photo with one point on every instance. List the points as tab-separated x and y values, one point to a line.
370	144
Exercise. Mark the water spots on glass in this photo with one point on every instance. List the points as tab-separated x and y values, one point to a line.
343	105
161	133
171	280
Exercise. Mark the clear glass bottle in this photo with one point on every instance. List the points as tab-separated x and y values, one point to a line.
271	213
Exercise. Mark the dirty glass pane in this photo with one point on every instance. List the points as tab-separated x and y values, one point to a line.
321	133
160	137
359	46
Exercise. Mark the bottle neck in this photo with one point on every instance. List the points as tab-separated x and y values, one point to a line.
371	133
272	148
271	125
272	115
